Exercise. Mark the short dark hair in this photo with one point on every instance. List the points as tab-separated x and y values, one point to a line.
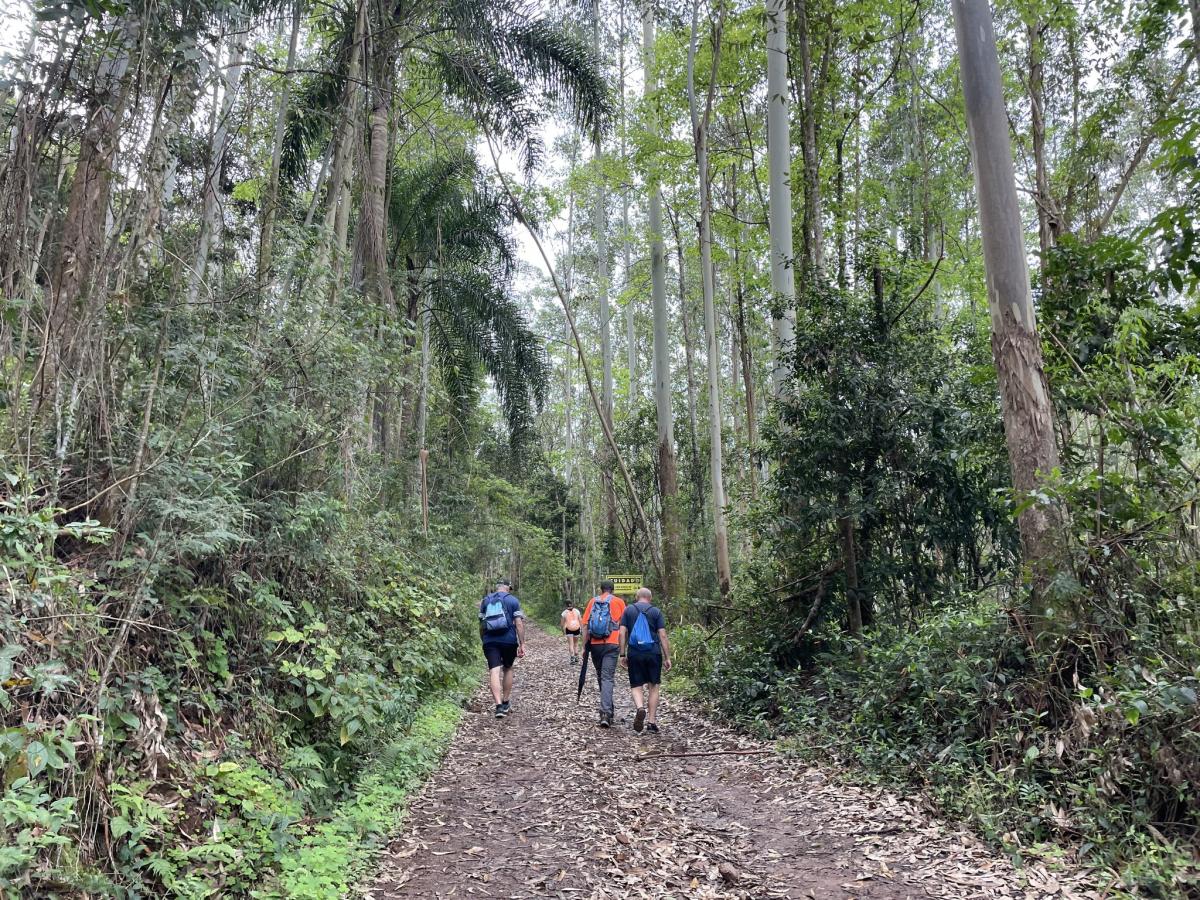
606	586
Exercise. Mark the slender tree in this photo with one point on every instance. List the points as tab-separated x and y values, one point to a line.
779	198
1024	394
700	123
600	235
668	480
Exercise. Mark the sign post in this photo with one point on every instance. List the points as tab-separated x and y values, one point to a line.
625	586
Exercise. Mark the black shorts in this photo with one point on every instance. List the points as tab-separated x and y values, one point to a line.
645	668
500	655
574	631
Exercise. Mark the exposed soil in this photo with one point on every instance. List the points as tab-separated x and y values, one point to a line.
544	803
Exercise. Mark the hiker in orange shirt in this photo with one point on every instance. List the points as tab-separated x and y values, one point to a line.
572	626
601	638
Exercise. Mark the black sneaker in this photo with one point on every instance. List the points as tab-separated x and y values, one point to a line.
501	712
506	707
652	728
639	718
604	723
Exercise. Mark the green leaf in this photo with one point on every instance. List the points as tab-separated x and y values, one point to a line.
36	757
119	826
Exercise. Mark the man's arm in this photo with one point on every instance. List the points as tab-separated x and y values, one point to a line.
520	622
583	638
623	652
666	649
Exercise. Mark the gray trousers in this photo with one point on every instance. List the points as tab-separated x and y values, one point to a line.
604	661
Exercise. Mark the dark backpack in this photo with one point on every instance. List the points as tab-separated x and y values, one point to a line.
495	615
600	623
642	636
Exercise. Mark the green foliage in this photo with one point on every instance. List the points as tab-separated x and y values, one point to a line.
327	862
961	707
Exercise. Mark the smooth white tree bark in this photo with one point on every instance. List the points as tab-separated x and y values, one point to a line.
600	232
700	121
779	198
668	479
1024	394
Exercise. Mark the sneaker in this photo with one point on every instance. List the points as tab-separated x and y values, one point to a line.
506	707
604	723
501	712
652	728
639	718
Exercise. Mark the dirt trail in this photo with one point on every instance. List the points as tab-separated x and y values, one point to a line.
546	804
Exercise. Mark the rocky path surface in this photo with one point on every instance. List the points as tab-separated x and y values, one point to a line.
546	804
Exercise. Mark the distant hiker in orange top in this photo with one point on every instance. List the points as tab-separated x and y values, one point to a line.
600	638
572	626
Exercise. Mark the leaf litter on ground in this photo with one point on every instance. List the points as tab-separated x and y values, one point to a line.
544	803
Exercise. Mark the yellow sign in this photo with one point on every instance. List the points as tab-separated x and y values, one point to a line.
625	585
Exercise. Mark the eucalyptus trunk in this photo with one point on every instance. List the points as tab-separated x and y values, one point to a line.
814	243
337	211
690	362
1037	117
674	585
600	232
210	216
700	122
631	356
1024	393
779	198
271	199
74	294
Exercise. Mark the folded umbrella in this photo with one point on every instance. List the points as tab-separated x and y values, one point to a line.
582	674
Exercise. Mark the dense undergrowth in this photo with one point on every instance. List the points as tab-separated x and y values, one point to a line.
1060	719
243	736
959	707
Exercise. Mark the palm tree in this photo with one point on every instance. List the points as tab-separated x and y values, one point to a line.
497	63
451	233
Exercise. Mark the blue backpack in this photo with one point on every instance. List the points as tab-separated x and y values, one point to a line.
600	623
641	637
495	615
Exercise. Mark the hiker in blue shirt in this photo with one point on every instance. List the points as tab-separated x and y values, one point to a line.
502	627
646	652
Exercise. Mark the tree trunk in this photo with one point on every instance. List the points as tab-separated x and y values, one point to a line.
700	122
854	616
674	585
210	217
82	241
742	349
600	233
337	212
271	197
1024	393
1037	106
779	198
371	271
814	250
689	361
631	356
